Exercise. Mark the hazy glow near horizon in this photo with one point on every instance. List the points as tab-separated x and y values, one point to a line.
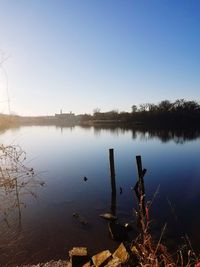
77	55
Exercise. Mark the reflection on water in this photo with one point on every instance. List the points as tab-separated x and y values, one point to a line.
177	135
17	181
39	229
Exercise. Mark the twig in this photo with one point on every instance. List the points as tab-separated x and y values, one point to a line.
162	233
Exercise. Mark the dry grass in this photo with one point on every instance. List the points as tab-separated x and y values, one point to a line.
146	250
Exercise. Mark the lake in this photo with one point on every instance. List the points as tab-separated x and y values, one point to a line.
48	225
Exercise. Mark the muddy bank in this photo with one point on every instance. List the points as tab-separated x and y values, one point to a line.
50	264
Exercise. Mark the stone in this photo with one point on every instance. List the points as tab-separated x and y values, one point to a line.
108	216
88	264
115	262
121	253
101	258
134	250
78	251
78	256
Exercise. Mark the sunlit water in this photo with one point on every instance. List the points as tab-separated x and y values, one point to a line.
62	157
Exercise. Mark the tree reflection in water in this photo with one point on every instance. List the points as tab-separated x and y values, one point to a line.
16	181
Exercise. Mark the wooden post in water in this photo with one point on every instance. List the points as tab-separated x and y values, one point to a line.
113	184
112	170
140	193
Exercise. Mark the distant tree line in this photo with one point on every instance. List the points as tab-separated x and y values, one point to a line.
166	113
7	121
4	121
179	112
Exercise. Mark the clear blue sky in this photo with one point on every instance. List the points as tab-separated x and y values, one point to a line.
77	55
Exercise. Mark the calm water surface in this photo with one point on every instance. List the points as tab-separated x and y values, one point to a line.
47	228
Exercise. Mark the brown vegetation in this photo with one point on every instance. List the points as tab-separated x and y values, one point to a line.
147	250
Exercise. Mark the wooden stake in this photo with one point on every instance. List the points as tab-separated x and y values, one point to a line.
112	171
140	192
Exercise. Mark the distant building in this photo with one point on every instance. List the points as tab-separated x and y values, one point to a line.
65	116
